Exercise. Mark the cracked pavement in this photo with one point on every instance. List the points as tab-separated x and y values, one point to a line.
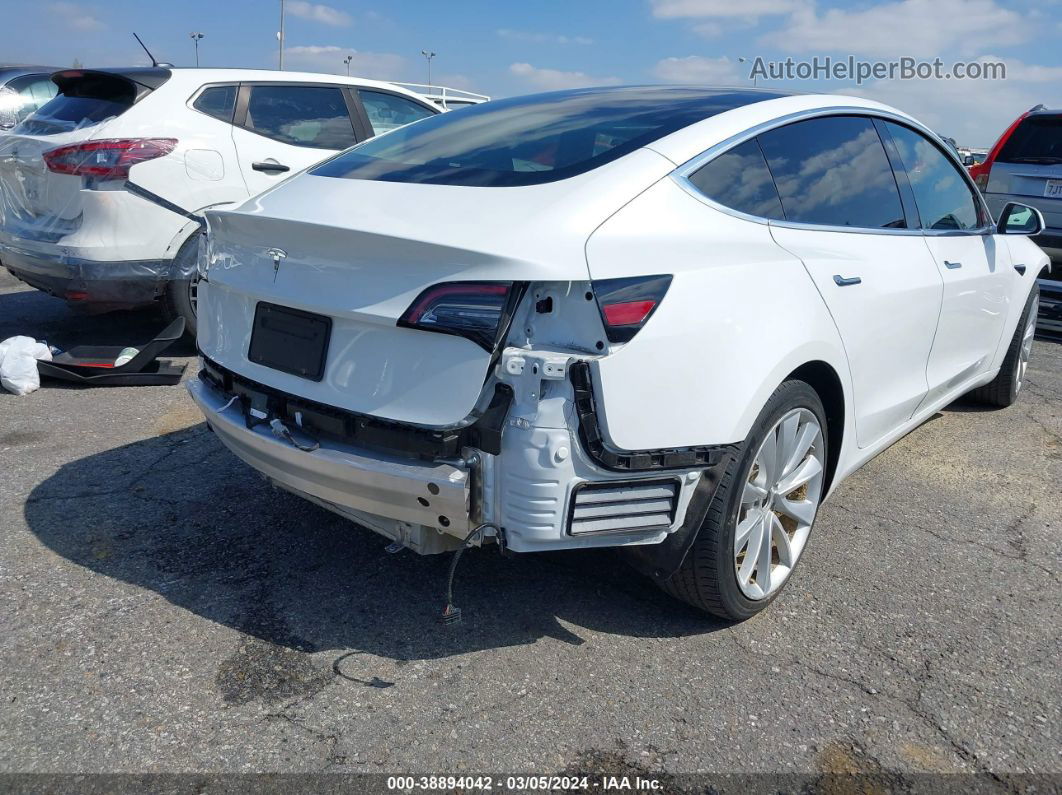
165	610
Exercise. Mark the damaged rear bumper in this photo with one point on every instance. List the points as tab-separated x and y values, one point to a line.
539	481
346	479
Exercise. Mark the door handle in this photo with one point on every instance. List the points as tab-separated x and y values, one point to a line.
845	281
270	167
1020	269
952	265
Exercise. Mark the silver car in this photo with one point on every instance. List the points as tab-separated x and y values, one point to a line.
1027	168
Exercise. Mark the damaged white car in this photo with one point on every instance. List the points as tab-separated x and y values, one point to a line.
665	319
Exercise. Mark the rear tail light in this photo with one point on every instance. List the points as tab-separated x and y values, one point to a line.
106	159
626	304
479	311
981	180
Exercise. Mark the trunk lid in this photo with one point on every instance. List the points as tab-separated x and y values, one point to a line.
360	252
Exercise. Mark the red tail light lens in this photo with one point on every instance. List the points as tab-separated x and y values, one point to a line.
106	159
479	311
627	304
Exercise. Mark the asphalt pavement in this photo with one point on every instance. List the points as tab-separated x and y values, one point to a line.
165	610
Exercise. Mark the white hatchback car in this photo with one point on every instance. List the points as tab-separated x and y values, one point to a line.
102	189
665	319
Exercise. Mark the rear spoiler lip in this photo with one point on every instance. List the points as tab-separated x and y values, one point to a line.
147	79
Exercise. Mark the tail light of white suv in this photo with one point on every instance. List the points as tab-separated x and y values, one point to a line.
107	158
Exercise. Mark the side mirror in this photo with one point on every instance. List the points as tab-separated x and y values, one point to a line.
968	160
1020	219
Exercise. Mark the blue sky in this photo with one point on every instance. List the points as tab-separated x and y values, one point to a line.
505	48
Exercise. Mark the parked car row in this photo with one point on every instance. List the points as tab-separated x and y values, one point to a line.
666	319
104	185
1025	165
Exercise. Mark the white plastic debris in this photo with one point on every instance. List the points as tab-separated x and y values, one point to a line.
18	364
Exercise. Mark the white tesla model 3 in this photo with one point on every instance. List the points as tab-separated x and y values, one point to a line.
666	319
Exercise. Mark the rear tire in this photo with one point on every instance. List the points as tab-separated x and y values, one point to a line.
179	297
710	577
1003	390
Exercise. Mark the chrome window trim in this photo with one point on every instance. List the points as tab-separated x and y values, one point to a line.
681	175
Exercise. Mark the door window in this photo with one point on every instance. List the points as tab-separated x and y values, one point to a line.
217	101
388	111
944	199
311	116
834	171
739	179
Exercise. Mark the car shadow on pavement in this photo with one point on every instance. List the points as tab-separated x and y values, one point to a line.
179	515
31	313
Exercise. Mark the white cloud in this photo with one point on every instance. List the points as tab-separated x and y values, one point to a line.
318	12
678	9
698	69
974	112
329	58
542	38
708	30
553	79
76	17
920	28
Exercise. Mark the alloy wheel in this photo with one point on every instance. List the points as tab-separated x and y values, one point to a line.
778	504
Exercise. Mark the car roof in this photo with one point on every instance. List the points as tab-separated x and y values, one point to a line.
153	76
11	71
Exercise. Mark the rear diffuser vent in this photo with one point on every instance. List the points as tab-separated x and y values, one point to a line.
623	507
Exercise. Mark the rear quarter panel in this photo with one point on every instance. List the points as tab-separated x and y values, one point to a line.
741	314
201	171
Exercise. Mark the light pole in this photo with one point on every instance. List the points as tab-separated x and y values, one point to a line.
347	61
428	55
742	59
196	37
280	37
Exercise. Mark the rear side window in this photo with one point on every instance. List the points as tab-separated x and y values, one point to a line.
313	116
944	199
739	179
1038	139
82	102
387	112
217	101
833	171
533	139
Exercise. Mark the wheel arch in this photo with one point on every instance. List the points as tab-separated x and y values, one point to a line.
826	382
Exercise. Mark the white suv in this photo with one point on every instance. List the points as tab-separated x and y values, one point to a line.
103	187
665	319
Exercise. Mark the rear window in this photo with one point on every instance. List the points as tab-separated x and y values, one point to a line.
82	102
533	139
1038	139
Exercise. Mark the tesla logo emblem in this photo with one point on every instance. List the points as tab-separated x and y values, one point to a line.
277	254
